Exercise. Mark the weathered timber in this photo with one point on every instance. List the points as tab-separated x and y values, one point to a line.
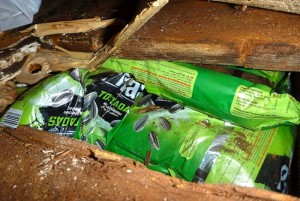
46	61
37	165
92	41
72	26
28	62
291	6
24	59
13	57
216	33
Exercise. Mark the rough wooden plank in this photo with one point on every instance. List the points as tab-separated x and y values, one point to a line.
216	33
291	6
37	165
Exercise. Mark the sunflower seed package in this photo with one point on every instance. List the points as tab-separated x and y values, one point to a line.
108	97
239	101
54	105
179	141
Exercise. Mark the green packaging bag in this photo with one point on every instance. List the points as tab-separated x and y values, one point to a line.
274	77
54	105
108	97
185	143
250	105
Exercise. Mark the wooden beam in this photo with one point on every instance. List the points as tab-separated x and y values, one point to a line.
291	6
216	33
37	165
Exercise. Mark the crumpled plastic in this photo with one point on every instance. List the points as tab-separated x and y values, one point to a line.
16	13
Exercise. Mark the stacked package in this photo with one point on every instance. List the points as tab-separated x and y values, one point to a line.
55	105
219	129
183	120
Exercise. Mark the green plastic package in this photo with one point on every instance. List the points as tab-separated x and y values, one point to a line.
250	105
185	143
54	105
108	98
274	77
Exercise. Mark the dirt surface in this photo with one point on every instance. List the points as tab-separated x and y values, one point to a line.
42	166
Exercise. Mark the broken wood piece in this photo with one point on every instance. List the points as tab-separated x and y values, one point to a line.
139	21
80	42
33	63
103	155
128	31
10	38
291	6
18	51
46	61
16	55
77	55
72	26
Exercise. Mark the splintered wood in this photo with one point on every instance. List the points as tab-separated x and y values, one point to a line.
25	60
46	61
21	58
128	31
72	26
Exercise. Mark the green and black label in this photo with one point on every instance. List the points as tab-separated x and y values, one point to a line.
116	93
274	173
63	119
54	105
108	98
